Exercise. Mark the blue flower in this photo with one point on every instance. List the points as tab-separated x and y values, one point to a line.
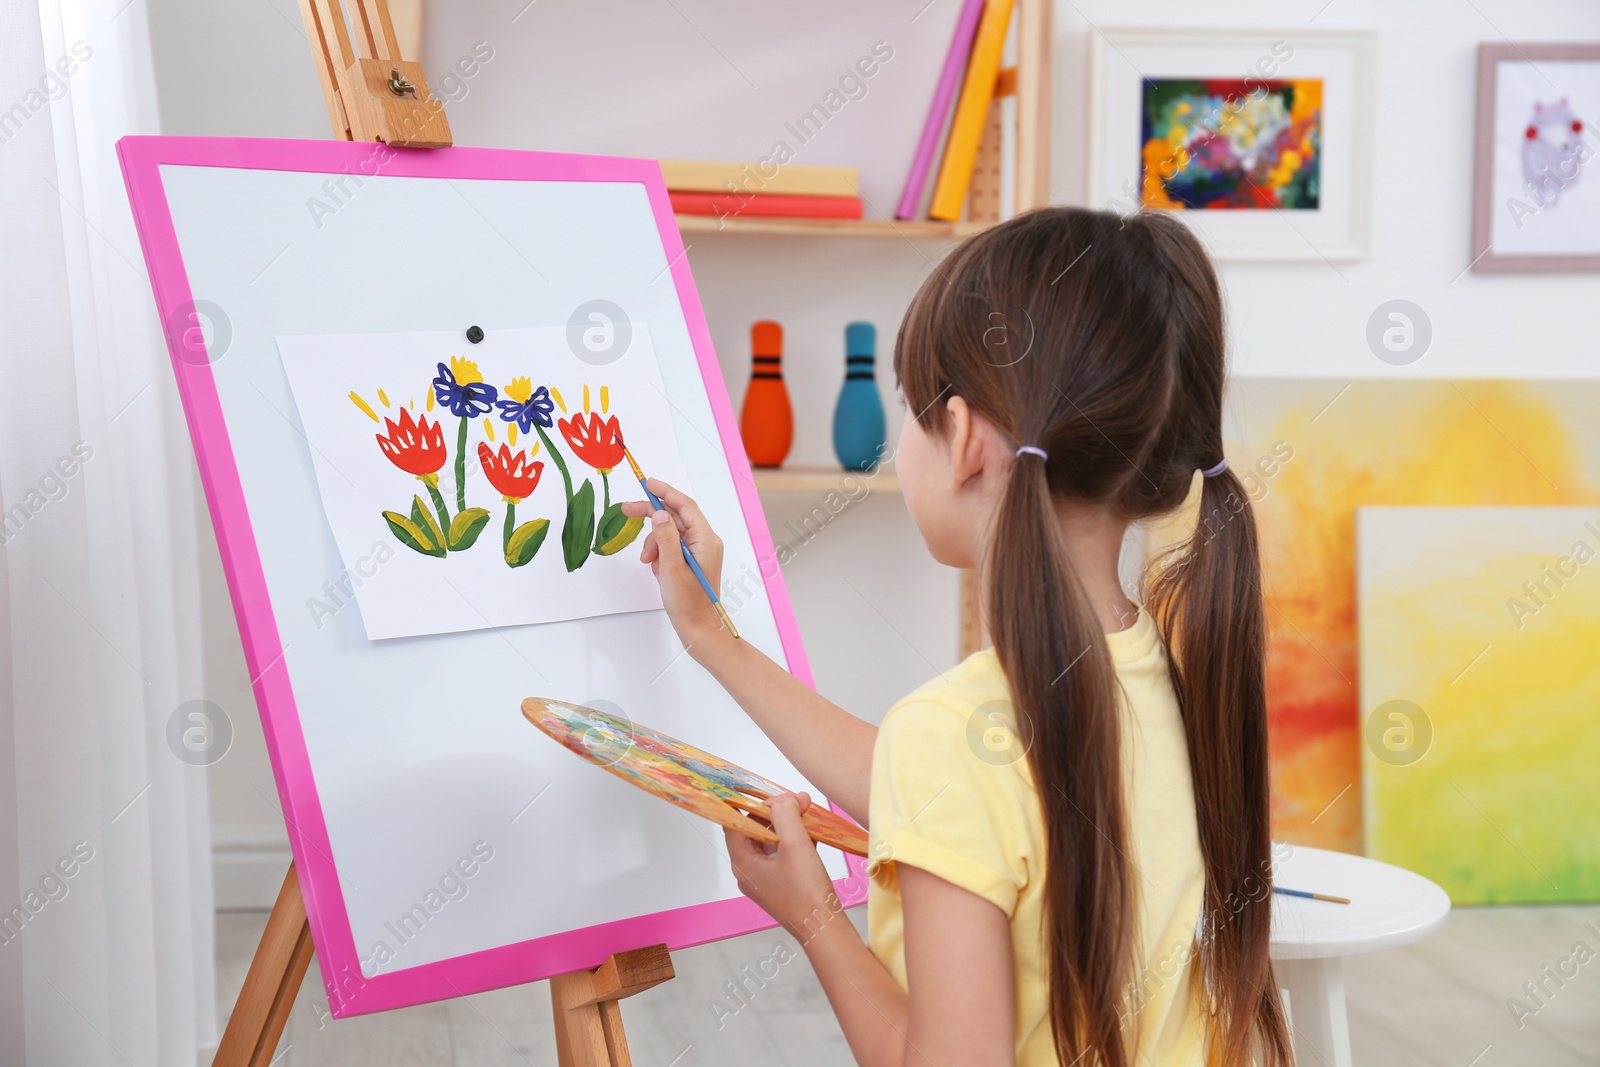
462	389
526	405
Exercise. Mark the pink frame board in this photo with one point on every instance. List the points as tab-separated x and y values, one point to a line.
349	992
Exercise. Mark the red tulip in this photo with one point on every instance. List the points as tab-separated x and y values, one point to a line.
597	441
511	474
415	447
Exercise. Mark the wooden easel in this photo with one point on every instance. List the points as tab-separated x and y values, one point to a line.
588	1020
374	95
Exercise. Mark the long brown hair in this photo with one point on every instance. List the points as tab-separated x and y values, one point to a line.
1100	340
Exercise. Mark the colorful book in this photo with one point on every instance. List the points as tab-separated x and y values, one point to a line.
766	205
972	111
692	176
939	111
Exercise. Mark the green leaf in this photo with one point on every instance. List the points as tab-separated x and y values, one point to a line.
525	541
577	534
465	528
410	534
615	531
611	520
424	521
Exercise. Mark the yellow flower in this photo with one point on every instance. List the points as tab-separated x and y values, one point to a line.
466	371
519	390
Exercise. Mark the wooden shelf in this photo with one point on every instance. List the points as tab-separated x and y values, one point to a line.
911	231
824	479
1030	81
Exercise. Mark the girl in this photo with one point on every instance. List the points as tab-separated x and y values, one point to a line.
1069	831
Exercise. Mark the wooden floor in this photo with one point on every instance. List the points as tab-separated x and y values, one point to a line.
1442	1002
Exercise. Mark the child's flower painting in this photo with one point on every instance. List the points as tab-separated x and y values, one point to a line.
479	426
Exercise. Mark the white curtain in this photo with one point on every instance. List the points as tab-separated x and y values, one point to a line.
105	889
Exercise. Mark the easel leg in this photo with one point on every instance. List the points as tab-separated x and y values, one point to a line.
616	1039
588	1018
270	986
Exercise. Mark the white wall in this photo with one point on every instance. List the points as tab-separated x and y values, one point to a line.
694	79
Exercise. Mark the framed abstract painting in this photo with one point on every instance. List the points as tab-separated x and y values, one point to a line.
1260	139
1533	207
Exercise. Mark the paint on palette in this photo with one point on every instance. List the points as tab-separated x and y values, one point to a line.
680	773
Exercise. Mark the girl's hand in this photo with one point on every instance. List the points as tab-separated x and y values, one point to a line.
786	879
687	604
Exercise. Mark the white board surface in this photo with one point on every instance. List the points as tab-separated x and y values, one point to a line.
420	754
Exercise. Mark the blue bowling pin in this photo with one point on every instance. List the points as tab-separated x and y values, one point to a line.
860	431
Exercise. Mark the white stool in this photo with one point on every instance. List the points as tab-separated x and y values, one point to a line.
1388	907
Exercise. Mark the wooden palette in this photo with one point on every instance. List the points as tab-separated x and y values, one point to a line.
676	771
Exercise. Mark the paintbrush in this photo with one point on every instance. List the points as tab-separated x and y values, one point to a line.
1310	896
688	557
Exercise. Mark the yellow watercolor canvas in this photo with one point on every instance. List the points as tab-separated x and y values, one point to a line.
1480	698
1310	453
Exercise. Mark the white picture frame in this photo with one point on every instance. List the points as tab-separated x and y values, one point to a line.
1536	212
1337	230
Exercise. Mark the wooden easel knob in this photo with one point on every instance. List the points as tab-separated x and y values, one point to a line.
372	94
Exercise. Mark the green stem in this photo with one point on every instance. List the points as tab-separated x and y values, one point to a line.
461	466
606	481
561	464
438	505
511	524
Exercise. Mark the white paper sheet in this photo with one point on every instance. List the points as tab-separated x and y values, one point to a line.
404	592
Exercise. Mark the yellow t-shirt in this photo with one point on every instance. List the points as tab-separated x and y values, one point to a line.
953	795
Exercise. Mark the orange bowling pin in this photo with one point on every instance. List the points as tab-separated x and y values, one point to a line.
767	421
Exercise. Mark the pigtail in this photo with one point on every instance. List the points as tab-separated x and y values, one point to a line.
1206	599
1049	643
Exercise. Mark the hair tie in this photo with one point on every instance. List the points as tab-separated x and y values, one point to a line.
1214	471
1032	451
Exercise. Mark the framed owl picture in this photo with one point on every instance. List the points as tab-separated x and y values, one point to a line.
1536	198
